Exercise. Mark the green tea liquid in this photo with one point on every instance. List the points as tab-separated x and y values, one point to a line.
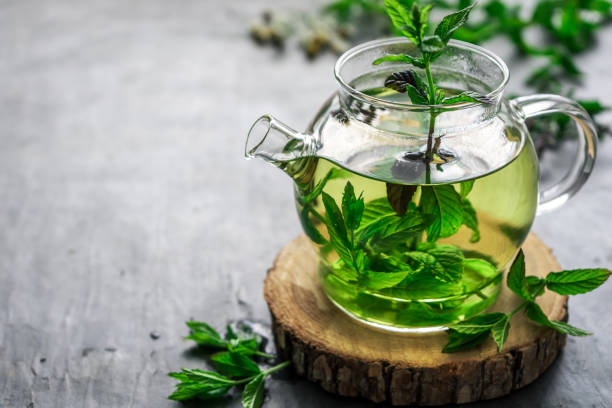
504	202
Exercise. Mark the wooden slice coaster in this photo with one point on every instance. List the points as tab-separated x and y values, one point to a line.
348	358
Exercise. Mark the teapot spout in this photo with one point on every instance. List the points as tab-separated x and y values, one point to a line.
273	141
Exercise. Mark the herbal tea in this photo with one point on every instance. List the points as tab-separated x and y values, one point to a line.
415	256
418	180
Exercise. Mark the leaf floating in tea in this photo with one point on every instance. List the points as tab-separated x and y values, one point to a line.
480	266
443	205
443	262
381	280
337	229
466	187
352	207
451	259
399	196
309	228
470	220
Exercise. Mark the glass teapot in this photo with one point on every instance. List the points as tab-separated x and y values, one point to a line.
417	211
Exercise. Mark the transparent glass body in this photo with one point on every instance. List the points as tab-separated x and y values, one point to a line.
405	243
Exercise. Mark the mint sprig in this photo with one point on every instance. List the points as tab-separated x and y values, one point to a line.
472	332
241	339
413	24
234	366
378	243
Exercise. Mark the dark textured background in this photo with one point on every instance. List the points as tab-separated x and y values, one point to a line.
126	206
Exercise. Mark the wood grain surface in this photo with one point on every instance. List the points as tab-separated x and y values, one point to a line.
126	206
345	357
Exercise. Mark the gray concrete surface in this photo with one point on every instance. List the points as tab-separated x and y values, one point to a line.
126	205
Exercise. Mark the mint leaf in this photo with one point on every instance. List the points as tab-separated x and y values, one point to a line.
479	323
420	16
352	207
460	341
309	228
416	97
389	232
568	329
381	280
241	332
316	191
189	390
465	188
577	281
470	219
424	262
451	260
408	81
253	393
401	20
234	364
467	96
443	262
377	214
399	196
443	205
500	332
417	62
451	22
242	338
593	107
200	384
389	263
361	260
337	229
535	313
432	44
480	266
210	378
204	335
344	272
376	209
535	286
516	277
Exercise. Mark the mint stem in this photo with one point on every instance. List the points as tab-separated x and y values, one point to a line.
264	355
517	309
317	215
276	368
481	295
432	119
265	373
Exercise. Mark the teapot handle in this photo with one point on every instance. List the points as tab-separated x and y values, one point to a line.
542	104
